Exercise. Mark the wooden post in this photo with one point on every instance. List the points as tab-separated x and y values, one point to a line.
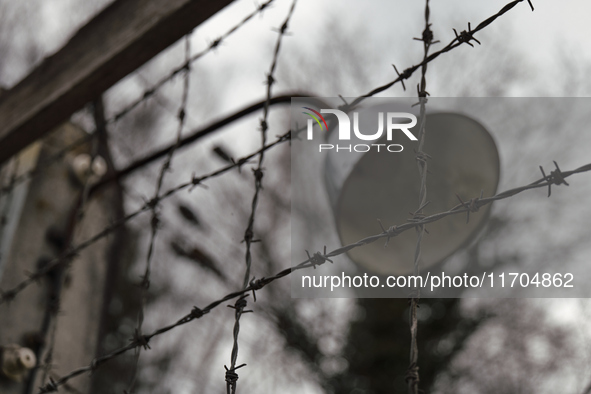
114	43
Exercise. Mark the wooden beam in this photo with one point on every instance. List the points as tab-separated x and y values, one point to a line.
114	43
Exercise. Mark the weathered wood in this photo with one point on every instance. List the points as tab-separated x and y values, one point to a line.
117	41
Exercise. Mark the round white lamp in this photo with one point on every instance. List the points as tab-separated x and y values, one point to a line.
384	185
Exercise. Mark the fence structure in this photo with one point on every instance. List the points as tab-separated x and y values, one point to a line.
83	81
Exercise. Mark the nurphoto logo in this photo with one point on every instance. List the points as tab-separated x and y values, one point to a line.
392	121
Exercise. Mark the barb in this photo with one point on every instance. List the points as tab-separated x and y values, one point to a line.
313	261
213	45
555	178
6	296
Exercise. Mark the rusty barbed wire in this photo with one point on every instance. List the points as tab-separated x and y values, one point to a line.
556	177
155	220
231	375
213	45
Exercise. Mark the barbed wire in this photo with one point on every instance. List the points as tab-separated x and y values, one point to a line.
412	373
241	303
7	295
464	36
231	375
316	259
155	220
556	177
258	172
418	221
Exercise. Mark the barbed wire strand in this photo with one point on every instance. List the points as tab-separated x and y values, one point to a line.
258	172
155	220
555	177
10	294
231	375
412	373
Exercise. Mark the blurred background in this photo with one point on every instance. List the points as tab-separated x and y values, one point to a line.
334	47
